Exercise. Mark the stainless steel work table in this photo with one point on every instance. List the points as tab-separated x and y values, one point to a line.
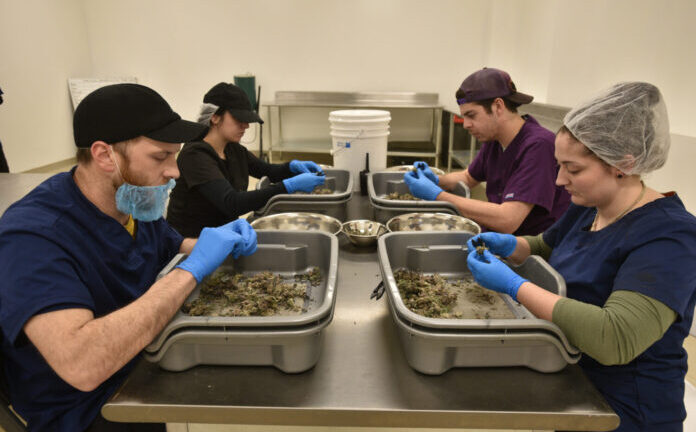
362	379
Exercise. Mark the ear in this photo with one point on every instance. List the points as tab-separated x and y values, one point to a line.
102	156
498	106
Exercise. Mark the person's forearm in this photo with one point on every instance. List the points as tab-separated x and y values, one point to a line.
619	331
537	300
449	181
537	246
187	245
495	217
89	350
522	251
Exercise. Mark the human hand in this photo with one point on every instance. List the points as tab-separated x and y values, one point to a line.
490	272
299	167
420	186
305	182
499	244
244	229
427	171
215	244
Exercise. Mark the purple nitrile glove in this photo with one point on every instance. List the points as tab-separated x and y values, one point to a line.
420	186
427	171
499	244
490	272
299	167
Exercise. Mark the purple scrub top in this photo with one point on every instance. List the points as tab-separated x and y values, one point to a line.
526	171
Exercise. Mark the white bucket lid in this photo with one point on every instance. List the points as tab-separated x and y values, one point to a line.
359	115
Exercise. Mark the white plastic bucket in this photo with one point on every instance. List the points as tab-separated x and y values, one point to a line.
354	134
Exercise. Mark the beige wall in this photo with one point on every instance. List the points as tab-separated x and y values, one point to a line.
562	51
42	44
184	47
558	50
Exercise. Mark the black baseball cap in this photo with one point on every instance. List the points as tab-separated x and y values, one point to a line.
489	83
233	99
120	112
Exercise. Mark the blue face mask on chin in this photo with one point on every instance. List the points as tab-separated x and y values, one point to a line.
145	203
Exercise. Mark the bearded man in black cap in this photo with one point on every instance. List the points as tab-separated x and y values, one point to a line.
79	256
215	169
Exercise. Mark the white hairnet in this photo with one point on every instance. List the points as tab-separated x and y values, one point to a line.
626	126
206	113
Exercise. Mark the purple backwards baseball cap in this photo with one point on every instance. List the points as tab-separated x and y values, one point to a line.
489	83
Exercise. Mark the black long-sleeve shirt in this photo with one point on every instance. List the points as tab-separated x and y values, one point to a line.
212	191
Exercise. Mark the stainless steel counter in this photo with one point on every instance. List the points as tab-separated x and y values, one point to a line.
362	379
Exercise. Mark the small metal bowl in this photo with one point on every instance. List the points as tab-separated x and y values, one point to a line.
432	222
405	168
363	232
300	221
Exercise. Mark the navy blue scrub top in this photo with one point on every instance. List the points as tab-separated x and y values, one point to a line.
59	251
651	250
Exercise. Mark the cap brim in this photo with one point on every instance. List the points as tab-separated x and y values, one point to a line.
178	131
520	98
245	116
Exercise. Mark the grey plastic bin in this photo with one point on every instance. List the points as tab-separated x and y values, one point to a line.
285	252
291	350
334	205
435	352
445	253
382	183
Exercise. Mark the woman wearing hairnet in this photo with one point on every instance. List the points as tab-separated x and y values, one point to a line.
626	251
215	170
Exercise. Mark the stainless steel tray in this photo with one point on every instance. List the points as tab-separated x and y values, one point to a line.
291	350
385	214
445	253
298	221
432	222
284	252
434	352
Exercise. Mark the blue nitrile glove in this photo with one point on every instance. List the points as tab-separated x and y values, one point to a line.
214	245
244	228
490	272
420	186
305	182
299	167
499	244
427	171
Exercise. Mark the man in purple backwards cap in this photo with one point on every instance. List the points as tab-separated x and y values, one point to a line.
516	161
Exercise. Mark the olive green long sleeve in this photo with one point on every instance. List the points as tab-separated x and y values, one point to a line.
618	332
538	246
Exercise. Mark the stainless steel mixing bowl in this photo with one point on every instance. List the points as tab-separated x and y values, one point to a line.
363	232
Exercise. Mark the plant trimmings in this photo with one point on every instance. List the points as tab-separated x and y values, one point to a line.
401	197
436	297
262	294
429	296
319	190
